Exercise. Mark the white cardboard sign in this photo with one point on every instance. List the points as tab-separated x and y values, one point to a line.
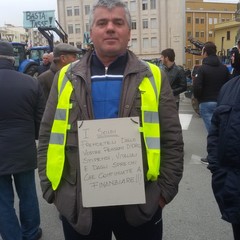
111	162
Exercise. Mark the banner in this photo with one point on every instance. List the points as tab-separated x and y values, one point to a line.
37	19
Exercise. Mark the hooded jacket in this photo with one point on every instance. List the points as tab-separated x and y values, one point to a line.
209	79
70	187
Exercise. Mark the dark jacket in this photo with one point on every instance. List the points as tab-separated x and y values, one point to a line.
21	109
209	79
46	79
70	187
224	151
177	79
43	68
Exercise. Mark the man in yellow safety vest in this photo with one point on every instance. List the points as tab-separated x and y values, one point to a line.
110	82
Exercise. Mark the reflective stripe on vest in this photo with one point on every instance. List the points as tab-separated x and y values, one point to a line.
150	91
150	94
56	147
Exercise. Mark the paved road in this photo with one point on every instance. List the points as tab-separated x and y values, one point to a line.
193	214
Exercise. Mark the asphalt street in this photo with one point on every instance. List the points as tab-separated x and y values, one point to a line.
193	214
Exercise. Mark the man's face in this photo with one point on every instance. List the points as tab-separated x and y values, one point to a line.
110	32
71	57
45	59
164	60
68	58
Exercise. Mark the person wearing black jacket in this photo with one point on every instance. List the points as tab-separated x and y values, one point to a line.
46	62
21	109
175	74
224	153
209	79
235	59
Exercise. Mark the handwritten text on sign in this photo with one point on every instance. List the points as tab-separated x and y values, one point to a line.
111	162
35	19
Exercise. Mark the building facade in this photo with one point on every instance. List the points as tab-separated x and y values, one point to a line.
156	25
32	37
201	19
12	33
226	36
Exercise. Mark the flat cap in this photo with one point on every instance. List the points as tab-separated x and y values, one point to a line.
64	48
6	49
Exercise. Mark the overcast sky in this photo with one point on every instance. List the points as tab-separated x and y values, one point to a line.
11	11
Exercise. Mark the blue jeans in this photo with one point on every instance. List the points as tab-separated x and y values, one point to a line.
26	228
206	111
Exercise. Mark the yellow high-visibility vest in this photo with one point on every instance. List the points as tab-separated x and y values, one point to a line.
150	94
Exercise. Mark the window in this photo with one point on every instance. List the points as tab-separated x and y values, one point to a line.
69	11
189	34
87	9
132	6
197	61
197	34
197	20
76	11
154	43
210	21
134	24
202	20
153	23
145	43
87	27
215	21
134	43
144	4
189	63
189	19
145	23
70	29
153	4
77	28
228	35
210	34
202	34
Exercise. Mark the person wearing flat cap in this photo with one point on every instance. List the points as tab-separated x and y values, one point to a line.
21	109
63	54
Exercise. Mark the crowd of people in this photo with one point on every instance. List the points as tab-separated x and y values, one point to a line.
109	82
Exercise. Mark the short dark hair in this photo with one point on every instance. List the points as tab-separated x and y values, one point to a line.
210	48
169	52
